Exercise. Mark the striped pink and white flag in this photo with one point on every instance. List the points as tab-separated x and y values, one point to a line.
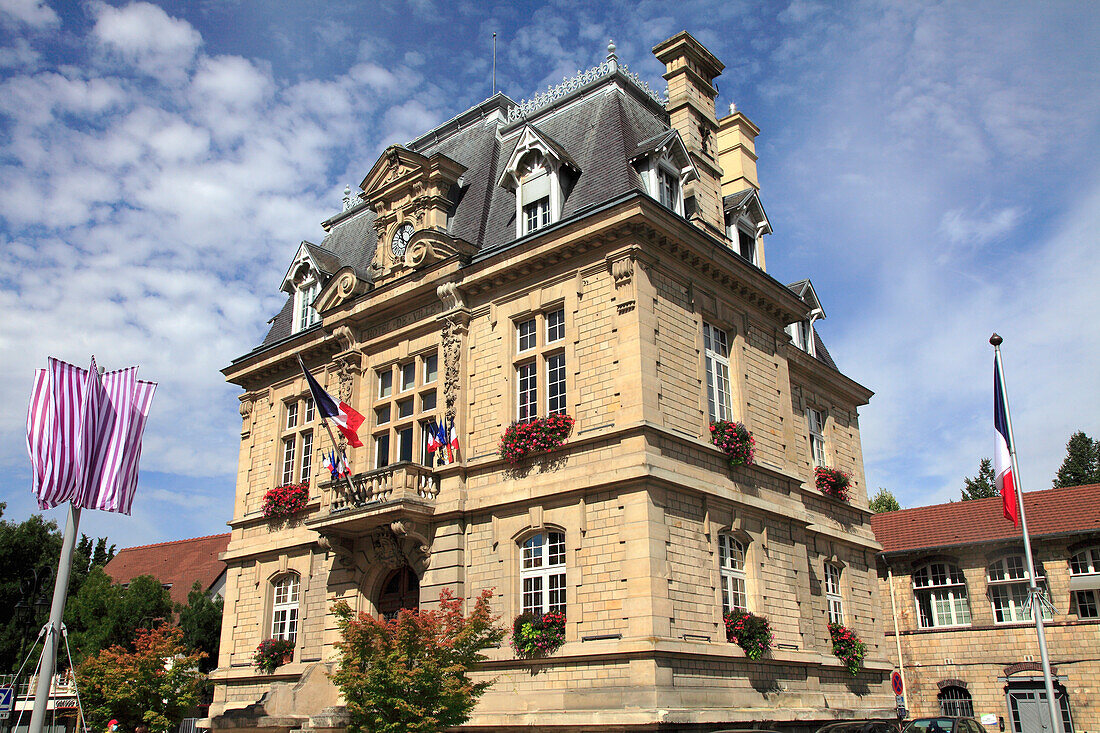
84	435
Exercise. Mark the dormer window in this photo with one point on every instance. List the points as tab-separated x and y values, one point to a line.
304	314
536	172
534	193
746	223
668	189
311	266
746	245
664	167
802	336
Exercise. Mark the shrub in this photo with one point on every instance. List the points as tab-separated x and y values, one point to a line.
832	482
847	647
751	632
540	435
735	440
272	654
286	501
538	634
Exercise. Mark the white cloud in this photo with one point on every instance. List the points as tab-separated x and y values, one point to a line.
979	227
147	37
35	13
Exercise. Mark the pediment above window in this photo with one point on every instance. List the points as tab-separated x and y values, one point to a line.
667	148
744	208
535	148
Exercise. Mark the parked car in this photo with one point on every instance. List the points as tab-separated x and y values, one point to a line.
944	724
880	725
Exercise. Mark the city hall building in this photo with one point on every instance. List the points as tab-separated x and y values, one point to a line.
597	252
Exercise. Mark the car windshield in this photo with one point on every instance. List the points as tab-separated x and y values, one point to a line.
931	725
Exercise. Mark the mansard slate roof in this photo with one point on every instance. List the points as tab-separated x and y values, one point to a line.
1070	510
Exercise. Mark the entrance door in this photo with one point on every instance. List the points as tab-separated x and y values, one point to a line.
1027	704
401	590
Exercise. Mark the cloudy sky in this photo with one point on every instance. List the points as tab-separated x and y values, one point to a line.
933	167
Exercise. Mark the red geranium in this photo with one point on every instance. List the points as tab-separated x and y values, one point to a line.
832	482
286	501
541	435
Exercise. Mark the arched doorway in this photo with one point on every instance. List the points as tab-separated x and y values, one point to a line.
401	590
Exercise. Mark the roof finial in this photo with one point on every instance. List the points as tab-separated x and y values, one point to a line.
347	197
733	108
612	59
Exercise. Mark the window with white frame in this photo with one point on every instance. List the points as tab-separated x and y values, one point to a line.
542	573
815	420
731	567
746	244
284	607
535	183
668	188
406	410
304	314
296	441
540	365
939	589
716	355
1084	582
1008	582
801	336
834	598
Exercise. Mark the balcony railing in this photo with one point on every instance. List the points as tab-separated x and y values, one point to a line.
390	483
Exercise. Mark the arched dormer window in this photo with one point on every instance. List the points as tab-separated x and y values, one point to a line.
664	167
939	589
542	572
304	314
539	172
284	607
303	283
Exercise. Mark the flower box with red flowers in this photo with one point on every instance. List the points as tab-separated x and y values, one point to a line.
750	632
847	647
541	435
272	654
286	501
735	440
538	634
832	482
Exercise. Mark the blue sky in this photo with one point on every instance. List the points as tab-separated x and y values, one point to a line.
933	167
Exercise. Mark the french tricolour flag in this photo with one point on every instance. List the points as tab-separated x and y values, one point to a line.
1002	458
345	418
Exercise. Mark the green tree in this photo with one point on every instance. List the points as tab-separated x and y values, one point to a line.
27	548
884	501
1082	462
201	623
155	684
105	614
982	486
411	674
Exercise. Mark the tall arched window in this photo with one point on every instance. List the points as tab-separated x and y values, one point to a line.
940	592
731	564
1008	582
542	573
1084	582
284	608
956	702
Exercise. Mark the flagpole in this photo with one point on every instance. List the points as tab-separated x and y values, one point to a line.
1036	608
331	437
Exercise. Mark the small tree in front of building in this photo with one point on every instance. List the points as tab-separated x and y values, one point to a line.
411	674
154	685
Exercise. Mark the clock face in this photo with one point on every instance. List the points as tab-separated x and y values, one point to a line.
401	239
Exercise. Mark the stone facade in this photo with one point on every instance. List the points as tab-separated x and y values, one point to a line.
638	490
987	661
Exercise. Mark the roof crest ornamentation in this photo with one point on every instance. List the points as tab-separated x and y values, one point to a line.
581	79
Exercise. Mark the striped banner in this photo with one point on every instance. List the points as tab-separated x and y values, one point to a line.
84	435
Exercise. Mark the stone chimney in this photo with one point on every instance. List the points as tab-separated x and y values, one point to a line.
690	70
737	152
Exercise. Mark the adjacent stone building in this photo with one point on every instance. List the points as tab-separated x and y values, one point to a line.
598	252
955	577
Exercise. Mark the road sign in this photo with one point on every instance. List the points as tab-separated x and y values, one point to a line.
7	699
895	682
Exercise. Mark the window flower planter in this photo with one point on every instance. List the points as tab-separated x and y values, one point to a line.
735	440
847	647
540	435
286	501
272	654
832	482
538	634
750	632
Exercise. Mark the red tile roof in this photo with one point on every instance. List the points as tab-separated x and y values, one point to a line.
180	563
1053	511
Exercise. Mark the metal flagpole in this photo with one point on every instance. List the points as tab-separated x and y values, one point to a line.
1036	608
53	630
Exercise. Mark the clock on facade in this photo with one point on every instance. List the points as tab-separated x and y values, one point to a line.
401	239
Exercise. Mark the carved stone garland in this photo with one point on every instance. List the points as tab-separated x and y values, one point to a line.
456	324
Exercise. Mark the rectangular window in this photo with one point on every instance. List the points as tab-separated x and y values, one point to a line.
427	401
292	415
405	444
431	368
536	214
815	419
746	245
288	460
716	349
405	408
527	381
408	376
1085	601
527	334
833	596
307	457
427	457
382	450
382	415
668	187
555	325
385	383
555	384
309	410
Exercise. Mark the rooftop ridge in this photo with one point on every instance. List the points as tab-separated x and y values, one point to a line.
975	502
581	79
174	542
